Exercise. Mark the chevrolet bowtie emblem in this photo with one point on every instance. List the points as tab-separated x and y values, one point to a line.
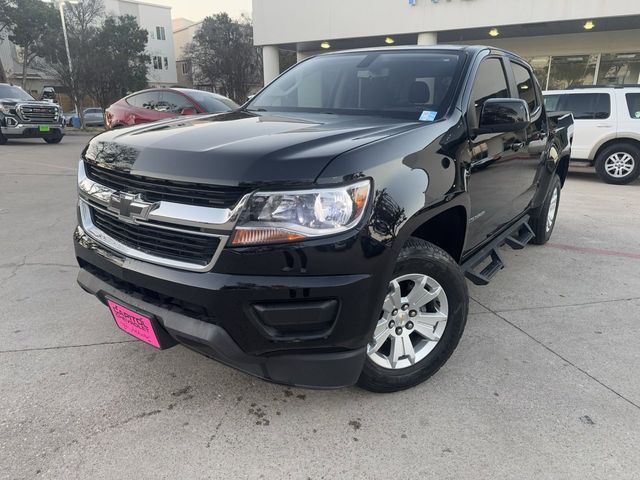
130	207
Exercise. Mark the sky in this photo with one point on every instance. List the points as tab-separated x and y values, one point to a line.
198	9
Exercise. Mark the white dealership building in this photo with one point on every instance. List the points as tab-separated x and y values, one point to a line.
568	42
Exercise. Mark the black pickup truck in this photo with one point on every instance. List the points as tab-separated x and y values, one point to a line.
22	116
320	235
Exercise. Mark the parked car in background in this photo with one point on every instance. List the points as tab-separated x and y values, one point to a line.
159	103
93	117
607	129
22	116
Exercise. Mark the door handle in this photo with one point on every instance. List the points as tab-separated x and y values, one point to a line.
602	125
515	146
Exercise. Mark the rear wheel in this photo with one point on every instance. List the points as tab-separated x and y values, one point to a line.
619	164
422	319
543	220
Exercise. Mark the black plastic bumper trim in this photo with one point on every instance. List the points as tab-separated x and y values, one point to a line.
312	370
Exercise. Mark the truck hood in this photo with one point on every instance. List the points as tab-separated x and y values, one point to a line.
238	148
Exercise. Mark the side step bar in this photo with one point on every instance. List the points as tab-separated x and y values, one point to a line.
517	237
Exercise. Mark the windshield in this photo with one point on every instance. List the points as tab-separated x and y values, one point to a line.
410	85
15	93
212	103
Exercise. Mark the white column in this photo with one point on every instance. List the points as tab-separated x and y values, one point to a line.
428	38
270	62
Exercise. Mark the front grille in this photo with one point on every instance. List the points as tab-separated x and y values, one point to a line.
155	189
34	114
170	244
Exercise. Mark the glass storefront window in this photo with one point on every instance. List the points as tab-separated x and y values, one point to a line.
619	69
540	67
572	70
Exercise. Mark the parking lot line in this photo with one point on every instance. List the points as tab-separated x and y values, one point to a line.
595	251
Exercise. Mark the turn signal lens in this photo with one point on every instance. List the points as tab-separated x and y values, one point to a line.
277	217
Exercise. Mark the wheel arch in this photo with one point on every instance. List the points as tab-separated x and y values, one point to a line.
633	141
446	229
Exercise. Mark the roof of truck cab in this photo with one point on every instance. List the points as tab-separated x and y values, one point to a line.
473	49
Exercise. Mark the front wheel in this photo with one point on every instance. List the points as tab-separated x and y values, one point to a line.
53	139
422	319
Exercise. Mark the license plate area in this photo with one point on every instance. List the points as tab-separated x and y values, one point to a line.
141	325
44	128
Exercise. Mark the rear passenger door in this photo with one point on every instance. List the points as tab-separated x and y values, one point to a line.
535	140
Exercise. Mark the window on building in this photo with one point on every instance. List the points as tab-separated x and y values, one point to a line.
572	71
157	63
160	35
633	102
166	63
540	66
619	69
185	67
490	82
525	85
584	106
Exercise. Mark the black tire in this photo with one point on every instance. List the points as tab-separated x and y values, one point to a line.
626	151
53	140
538	220
420	257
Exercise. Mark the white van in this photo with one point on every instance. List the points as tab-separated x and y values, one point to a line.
607	128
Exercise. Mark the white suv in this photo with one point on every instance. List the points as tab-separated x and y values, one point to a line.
607	128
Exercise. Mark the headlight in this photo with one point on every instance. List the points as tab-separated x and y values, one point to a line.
5	108
276	217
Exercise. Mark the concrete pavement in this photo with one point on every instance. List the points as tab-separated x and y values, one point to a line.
544	384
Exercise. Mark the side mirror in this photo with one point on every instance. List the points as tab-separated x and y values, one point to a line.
188	111
503	115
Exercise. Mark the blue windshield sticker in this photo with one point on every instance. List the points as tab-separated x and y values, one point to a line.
428	116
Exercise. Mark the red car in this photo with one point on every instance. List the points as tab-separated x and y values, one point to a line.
158	103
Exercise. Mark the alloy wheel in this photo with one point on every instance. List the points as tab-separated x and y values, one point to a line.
553	209
619	164
414	316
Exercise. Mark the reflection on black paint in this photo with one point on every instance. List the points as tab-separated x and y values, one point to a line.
114	155
387	215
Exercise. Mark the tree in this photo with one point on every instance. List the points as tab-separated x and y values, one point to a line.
82	21
223	56
30	23
5	24
120	61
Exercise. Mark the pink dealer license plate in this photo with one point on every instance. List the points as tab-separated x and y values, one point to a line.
134	323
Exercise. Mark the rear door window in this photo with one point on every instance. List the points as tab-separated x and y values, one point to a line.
148	100
526	86
584	106
174	102
633	102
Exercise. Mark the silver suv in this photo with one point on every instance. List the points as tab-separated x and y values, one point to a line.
607	128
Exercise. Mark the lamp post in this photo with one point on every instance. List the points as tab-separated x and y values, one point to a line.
66	39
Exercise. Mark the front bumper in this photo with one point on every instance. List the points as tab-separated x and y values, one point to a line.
32	130
245	321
